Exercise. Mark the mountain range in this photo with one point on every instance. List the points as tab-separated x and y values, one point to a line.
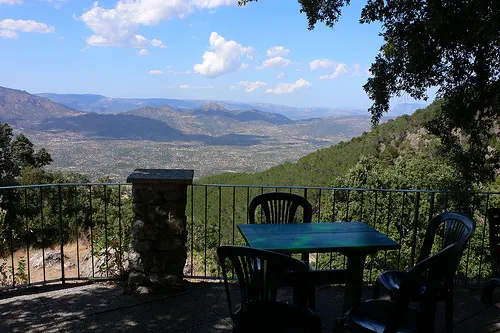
103	104
208	136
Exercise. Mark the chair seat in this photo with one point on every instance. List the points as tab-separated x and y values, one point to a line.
391	280
374	315
276	317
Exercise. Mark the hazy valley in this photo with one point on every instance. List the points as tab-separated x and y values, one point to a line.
209	138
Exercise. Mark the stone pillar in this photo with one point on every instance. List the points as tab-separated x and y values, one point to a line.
158	253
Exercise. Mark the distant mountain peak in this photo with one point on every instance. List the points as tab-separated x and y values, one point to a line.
19	106
213	106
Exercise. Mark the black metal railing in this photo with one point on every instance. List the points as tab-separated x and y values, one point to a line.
63	232
214	211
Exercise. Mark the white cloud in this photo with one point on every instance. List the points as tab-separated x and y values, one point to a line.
355	70
287	88
277	51
120	24
136	41
340	69
276	62
281	76
250	86
56	3
158	43
243	66
8	34
99	41
139	41
187	86
224	57
11	2
26	26
155	72
143	52
321	63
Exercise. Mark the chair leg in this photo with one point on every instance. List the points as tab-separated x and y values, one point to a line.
338	325
312	297
448	314
488	290
376	290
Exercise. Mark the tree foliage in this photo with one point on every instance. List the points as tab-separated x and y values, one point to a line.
16	154
451	45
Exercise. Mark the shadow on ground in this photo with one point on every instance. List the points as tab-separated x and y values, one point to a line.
101	307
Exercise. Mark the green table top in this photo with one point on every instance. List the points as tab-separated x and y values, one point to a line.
316	237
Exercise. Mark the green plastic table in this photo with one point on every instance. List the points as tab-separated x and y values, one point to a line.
354	239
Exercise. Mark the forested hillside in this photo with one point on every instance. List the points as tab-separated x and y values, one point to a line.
399	155
385	145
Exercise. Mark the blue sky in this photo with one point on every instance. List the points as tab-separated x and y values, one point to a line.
189	49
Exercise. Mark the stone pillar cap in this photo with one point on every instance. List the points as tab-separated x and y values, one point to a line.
166	176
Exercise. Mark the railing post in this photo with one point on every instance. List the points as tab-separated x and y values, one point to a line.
415	228
157	252
61	239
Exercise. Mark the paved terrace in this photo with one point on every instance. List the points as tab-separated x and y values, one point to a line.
103	307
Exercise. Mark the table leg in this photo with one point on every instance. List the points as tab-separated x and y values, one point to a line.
354	282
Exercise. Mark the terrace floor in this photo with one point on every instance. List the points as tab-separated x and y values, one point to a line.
103	307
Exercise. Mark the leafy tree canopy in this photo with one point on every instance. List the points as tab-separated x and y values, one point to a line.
17	154
448	44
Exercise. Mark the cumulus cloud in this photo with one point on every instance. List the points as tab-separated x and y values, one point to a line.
287	88
224	58
120	24
281	76
158	43
136	41
11	2
155	72
8	34
276	62
26	26
340	69
277	51
9	28
250	86
143	52
99	41
139	41
320	63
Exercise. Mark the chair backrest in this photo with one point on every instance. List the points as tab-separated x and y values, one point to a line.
494	231
279	207
259	273
437	270
458	228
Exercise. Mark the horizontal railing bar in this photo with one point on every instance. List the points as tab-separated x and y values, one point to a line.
27	285
39	283
342	189
261	187
62	184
